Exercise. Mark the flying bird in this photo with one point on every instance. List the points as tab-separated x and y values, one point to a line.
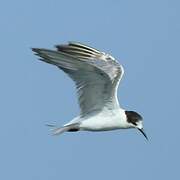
97	76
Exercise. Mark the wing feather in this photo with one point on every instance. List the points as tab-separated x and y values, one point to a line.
95	74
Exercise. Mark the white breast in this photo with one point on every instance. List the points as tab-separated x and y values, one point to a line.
106	120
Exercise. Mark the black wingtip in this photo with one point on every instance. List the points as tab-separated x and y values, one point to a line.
36	50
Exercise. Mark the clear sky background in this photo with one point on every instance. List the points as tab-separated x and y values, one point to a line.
143	35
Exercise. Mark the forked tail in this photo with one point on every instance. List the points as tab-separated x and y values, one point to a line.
68	128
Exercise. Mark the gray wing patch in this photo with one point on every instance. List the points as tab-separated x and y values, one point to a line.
95	74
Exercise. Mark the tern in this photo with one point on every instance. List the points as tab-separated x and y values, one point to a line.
97	76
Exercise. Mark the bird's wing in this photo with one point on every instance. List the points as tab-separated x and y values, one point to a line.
95	73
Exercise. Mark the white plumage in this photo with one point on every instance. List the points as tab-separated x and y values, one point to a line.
97	76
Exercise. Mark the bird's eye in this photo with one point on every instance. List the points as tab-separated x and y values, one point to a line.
134	123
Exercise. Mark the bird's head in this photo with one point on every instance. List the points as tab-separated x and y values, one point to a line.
136	121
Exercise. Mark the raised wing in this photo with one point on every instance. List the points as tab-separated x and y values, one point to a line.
95	73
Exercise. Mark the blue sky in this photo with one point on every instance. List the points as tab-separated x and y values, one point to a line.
143	35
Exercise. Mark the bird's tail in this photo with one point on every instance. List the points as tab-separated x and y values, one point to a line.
67	128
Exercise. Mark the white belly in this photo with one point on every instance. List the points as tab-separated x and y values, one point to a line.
105	121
